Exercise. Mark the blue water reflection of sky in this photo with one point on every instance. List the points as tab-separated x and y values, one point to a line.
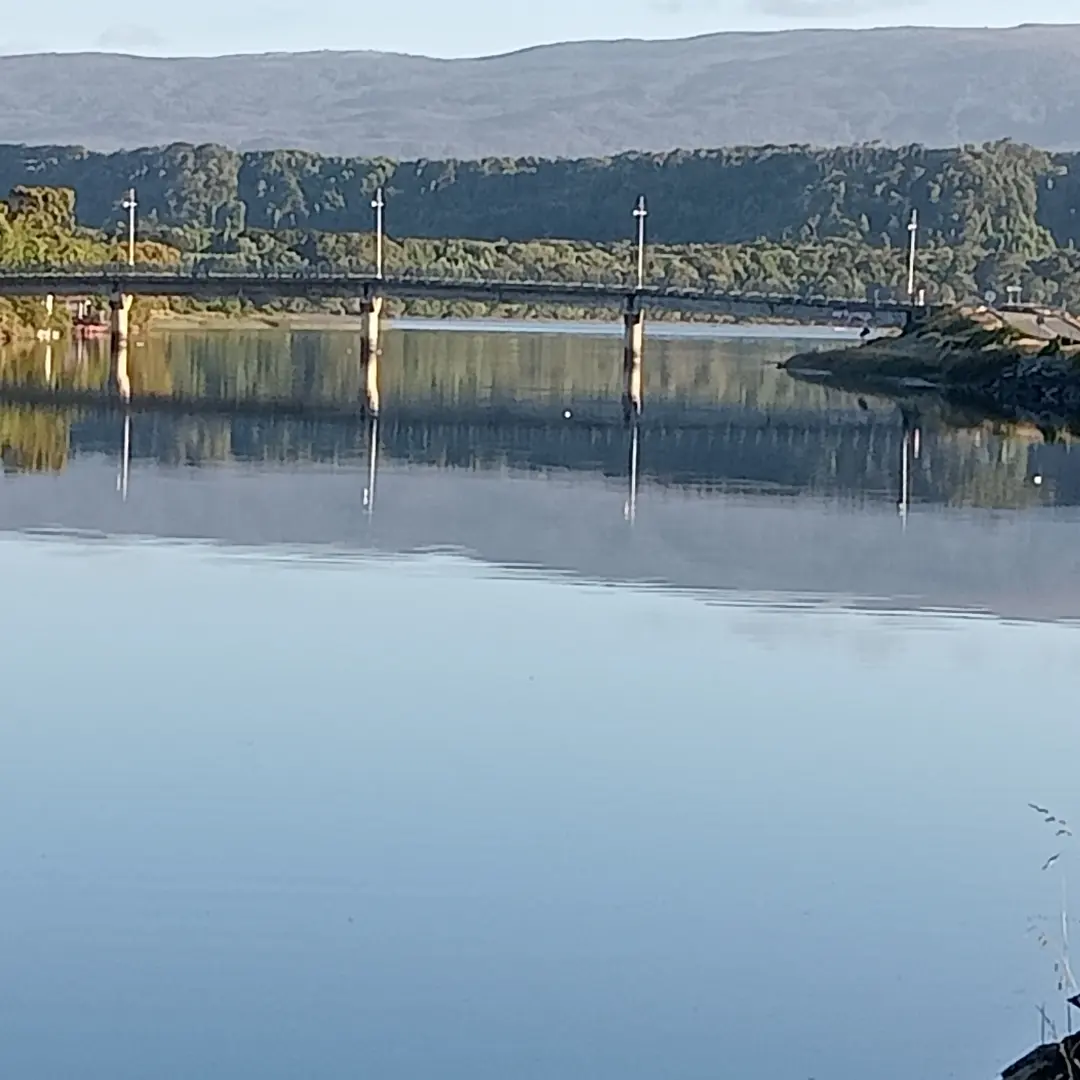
285	817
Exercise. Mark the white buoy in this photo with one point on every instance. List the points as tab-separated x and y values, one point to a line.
1037	481
566	415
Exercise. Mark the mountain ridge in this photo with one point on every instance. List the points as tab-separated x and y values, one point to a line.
818	87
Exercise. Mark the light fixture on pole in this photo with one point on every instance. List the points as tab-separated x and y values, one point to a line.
130	205
641	213
913	232
378	204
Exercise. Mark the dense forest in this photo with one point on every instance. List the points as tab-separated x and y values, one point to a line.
1002	196
783	219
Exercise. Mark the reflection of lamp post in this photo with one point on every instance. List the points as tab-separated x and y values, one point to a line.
630	509
373	462
910	449
125	460
905	476
378	204
641	213
130	205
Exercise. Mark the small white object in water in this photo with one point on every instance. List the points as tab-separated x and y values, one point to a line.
1037	481
566	415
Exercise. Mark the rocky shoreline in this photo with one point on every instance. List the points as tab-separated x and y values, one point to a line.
1053	1061
1021	364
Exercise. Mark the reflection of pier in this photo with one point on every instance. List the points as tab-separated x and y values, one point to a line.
725	448
910	445
830	448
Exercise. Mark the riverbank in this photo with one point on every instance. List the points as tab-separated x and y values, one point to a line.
592	322
1022	363
314	319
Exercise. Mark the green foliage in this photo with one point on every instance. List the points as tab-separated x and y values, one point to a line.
38	225
793	220
998	197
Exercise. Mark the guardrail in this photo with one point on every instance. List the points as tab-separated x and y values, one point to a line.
193	272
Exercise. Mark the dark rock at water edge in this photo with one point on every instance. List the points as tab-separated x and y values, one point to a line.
1021	364
1054	1061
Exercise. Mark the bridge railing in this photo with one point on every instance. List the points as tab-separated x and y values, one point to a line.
583	280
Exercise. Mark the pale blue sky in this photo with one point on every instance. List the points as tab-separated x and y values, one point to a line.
459	27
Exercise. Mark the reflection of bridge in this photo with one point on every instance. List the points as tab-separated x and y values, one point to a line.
725	447
368	292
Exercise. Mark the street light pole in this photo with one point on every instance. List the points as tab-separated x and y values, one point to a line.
130	205
378	204
913	231
641	213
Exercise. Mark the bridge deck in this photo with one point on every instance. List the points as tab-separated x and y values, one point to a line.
258	287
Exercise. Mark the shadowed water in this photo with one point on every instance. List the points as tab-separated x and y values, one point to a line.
482	741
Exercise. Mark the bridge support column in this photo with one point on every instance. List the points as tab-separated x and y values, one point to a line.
633	357
120	327
371	310
120	324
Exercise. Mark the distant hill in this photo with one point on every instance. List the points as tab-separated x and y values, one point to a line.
940	87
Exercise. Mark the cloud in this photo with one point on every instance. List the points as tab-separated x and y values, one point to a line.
828	9
130	36
786	9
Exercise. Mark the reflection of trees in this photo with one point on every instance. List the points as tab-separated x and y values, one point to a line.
462	367
67	365
720	417
976	468
34	440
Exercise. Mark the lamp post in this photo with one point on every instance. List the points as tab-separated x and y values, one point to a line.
378	204
130	205
913	233
641	213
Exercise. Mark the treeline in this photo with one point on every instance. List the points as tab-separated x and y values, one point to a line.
38	225
1002	197
841	268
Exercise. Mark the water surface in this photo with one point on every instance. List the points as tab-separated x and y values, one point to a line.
481	741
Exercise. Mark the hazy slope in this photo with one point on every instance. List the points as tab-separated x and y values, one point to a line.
828	87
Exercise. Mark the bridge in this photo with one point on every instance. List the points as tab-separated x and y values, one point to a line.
369	290
206	284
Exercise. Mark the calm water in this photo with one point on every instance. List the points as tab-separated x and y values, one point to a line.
485	742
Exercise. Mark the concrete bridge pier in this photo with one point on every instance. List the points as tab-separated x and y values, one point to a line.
120	327
371	311
120	318
633	357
